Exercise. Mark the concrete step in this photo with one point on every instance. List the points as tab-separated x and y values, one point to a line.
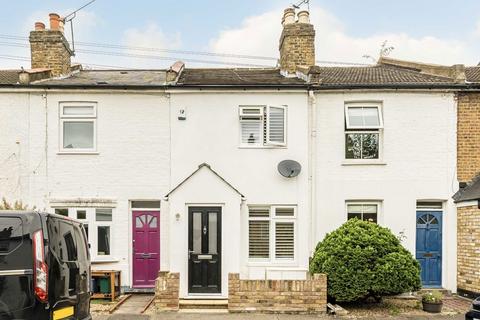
216	311
445	292
206	304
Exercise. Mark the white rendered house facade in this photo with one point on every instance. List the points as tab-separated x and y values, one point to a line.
177	170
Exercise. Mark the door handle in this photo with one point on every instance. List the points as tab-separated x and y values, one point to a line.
190	253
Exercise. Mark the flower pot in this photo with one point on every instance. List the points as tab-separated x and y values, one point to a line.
432	307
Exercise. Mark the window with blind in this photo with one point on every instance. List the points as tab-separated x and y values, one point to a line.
271	233
263	125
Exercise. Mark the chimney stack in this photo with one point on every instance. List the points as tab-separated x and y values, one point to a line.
49	48
297	42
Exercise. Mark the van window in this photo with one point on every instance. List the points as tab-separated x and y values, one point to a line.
11	234
82	245
68	246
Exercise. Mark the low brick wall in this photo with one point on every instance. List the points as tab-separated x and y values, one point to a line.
468	250
166	291
277	296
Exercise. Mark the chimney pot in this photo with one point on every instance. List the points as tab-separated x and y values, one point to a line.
61	24
288	16
304	16
54	21
39	26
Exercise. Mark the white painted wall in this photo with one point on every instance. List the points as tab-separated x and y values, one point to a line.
144	151
132	162
419	149
204	189
211	134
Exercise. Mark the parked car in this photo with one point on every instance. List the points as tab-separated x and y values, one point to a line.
44	267
474	313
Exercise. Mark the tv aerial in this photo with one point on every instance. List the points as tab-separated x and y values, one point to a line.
289	168
299	4
69	18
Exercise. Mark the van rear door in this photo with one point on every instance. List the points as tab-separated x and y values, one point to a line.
16	262
69	268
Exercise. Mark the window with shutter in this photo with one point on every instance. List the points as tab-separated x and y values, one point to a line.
271	236
276	125
262	125
284	240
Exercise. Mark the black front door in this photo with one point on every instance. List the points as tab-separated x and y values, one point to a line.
204	248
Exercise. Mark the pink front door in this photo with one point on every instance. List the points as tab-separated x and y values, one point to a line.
146	248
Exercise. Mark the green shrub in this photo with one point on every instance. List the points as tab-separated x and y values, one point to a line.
363	259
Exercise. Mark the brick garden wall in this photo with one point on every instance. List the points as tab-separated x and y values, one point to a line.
468	136
277	296
468	251
167	291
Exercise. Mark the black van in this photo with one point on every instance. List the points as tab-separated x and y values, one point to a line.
44	267
474	313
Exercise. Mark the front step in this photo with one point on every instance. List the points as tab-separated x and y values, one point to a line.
203	304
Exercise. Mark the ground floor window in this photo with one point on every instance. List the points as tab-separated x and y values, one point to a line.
271	233
97	223
367	211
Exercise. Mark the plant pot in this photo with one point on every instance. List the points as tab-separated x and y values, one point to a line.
432	307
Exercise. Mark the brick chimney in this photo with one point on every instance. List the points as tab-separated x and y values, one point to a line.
297	42
49	47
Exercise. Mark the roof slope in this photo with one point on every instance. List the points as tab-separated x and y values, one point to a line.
120	78
472	74
236	77
471	192
9	76
376	75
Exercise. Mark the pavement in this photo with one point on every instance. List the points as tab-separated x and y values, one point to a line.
134	305
246	316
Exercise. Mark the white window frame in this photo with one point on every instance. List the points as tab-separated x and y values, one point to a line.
272	260
349	129
77	118
265	120
93	225
378	203
354	105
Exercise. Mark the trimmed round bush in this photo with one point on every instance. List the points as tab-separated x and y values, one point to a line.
362	259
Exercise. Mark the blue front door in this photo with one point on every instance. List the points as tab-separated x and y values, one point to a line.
429	247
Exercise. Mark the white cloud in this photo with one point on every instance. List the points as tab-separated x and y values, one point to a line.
259	35
151	36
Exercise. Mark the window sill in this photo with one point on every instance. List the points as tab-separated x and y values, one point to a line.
262	147
78	153
364	163
277	264
106	260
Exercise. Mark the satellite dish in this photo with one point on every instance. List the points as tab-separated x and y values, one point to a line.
289	168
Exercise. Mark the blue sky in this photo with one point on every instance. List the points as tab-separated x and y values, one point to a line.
439	31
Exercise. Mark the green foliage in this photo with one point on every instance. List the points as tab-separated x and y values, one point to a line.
363	259
433	297
17	205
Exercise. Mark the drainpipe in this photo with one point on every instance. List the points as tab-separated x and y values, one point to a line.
312	147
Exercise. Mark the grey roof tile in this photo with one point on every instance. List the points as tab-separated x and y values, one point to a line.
473	74
9	76
471	192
